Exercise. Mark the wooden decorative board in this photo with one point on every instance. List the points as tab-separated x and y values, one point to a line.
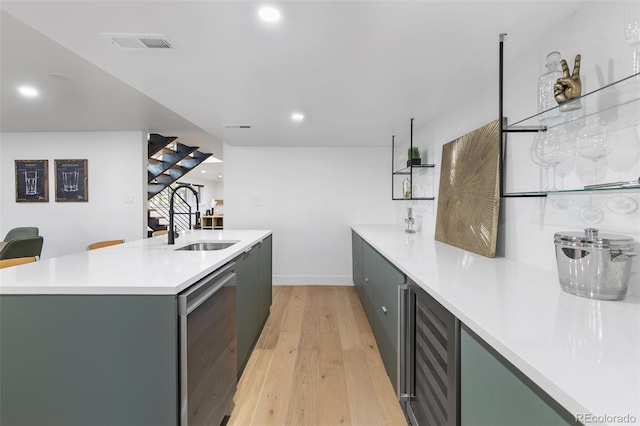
469	195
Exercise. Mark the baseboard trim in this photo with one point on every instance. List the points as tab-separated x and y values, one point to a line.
312	280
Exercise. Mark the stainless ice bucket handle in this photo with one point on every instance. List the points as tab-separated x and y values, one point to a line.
574	253
622	256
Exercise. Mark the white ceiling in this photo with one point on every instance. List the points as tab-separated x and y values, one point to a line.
356	69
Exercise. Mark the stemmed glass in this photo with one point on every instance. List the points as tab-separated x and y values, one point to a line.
537	139
625	155
564	203
592	143
553	150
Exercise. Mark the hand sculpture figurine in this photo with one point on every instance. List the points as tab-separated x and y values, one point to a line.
569	86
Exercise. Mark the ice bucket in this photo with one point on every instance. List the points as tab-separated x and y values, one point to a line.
594	265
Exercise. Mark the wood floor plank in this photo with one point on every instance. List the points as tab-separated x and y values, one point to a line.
363	401
321	295
348	328
274	399
391	410
333	397
294	314
303	402
322	367
269	336
250	387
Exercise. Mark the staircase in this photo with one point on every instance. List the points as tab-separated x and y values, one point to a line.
168	161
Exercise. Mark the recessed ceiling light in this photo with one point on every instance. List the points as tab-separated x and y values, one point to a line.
269	14
220	176
297	116
203	171
28	91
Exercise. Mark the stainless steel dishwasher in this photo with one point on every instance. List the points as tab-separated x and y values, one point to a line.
207	321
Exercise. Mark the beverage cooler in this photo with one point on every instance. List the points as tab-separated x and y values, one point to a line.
429	359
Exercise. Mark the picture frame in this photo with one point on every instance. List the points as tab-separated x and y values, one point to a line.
72	180
469	194
32	181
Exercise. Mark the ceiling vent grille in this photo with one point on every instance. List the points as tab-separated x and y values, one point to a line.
236	126
138	41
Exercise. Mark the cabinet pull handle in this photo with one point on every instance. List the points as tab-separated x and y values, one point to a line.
249	249
384	309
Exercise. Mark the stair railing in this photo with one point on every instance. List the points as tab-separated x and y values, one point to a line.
182	211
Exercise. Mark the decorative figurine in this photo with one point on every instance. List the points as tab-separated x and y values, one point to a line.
569	86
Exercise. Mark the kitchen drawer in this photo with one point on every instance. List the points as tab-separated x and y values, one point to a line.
385	312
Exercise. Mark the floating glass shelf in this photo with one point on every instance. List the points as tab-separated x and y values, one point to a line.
618	102
414	199
570	191
407	170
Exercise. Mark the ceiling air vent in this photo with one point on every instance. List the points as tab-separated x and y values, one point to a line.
236	126
138	41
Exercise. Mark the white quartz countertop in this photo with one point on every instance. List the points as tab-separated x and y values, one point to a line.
584	353
146	266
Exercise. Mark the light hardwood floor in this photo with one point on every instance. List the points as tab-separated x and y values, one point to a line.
316	363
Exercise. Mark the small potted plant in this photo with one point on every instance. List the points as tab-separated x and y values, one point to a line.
413	156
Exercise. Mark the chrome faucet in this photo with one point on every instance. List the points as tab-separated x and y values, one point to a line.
172	232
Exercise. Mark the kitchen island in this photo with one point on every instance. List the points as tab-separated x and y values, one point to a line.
583	353
92	338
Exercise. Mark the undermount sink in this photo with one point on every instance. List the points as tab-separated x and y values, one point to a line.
208	245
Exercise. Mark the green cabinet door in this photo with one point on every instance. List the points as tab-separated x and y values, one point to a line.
78	360
494	393
247	303
266	280
379	298
369	259
385	279
356	262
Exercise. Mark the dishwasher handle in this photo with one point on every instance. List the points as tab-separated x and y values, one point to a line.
200	292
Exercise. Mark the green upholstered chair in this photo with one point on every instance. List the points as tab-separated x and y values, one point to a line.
22	247
21	232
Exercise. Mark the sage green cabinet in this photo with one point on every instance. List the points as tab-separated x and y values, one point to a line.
253	297
265	294
78	360
494	393
377	281
357	270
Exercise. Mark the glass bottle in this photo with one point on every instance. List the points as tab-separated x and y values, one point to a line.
546	99
406	188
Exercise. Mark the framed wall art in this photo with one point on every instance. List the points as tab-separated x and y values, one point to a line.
32	181
72	180
469	195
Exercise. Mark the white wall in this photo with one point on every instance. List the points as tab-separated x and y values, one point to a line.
116	169
309	197
596	32
208	191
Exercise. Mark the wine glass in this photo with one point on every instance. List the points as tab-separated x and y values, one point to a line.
592	143
553	150
537	139
564	203
625	155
